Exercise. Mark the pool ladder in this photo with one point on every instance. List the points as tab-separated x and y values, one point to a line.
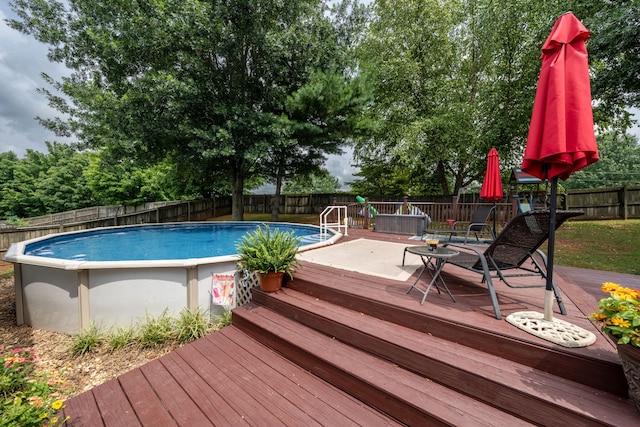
333	211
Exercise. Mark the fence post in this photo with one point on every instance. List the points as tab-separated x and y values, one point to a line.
625	203
366	213
454	208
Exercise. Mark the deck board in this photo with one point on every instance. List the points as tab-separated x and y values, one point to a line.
213	373
210	400
144	399
83	410
114	406
255	378
344	405
177	402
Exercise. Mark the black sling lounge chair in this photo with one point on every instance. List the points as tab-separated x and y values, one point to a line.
513	247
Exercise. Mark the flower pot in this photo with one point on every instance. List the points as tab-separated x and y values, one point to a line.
630	359
270	282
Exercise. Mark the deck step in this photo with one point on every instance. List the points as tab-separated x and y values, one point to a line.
351	292
226	378
511	387
410	398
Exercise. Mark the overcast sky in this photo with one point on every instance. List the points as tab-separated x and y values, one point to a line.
22	60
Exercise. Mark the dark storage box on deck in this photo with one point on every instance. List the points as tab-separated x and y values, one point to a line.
401	224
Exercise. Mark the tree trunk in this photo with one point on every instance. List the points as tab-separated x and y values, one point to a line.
275	204
442	177
237	192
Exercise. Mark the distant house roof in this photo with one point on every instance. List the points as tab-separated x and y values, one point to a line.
520	177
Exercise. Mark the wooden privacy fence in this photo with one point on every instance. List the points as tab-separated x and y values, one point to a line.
605	203
109	216
148	212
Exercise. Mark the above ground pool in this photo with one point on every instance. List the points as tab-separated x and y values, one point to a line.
117	276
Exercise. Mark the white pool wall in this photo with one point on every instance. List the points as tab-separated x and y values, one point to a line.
67	296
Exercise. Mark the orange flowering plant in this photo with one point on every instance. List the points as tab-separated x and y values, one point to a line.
619	313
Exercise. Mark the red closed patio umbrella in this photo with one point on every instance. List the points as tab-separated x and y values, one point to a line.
492	184
561	137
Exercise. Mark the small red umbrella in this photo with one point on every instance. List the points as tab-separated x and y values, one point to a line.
561	138
492	184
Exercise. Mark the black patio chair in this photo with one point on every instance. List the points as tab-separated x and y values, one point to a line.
479	224
513	247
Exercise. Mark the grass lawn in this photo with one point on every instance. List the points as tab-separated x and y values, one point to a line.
612	245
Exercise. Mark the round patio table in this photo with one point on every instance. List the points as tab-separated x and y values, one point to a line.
428	255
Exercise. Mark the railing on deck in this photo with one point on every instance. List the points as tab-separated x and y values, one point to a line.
362	215
333	217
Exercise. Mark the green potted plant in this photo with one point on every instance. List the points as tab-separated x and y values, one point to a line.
269	253
619	316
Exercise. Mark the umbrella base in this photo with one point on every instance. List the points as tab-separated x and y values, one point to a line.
557	331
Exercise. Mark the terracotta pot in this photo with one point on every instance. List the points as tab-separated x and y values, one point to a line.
630	359
270	282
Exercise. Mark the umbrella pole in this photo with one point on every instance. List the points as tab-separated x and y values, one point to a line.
551	245
543	325
494	219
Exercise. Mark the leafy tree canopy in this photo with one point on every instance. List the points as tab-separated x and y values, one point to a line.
201	83
618	164
43	183
614	55
451	80
318	182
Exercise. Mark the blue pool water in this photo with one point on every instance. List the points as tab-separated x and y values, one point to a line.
159	242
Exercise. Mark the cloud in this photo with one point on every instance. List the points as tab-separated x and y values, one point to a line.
341	167
22	60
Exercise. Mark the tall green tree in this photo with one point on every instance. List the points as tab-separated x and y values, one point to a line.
319	117
115	181
62	186
451	80
614	55
42	183
318	182
619	163
200	82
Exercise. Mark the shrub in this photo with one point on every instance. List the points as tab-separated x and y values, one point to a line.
619	313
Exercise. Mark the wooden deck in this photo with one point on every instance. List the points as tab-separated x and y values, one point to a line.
340	348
